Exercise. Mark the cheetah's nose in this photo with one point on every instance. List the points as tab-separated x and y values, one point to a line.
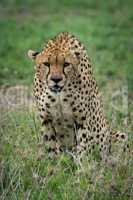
56	78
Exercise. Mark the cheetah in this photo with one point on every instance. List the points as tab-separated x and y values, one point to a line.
68	100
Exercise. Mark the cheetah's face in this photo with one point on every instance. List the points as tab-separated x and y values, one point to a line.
56	67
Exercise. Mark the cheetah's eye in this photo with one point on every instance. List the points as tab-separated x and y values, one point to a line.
66	64
47	64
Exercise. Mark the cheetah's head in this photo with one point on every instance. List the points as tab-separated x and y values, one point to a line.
56	66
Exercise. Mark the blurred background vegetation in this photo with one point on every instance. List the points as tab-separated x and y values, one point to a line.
106	29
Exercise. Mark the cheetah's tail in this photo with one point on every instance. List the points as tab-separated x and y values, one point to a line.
118	136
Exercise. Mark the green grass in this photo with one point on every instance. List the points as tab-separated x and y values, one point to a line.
23	174
105	27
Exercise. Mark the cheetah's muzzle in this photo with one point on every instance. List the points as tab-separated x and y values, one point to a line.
56	88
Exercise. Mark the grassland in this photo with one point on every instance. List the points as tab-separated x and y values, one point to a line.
106	30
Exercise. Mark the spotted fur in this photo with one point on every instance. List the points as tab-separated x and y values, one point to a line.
68	99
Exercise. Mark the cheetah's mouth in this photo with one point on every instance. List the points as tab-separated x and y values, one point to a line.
56	88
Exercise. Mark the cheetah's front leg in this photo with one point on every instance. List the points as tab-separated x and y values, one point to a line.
48	138
84	145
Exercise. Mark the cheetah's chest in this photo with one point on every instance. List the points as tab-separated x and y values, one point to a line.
63	122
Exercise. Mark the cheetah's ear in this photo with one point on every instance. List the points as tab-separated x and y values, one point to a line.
32	54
